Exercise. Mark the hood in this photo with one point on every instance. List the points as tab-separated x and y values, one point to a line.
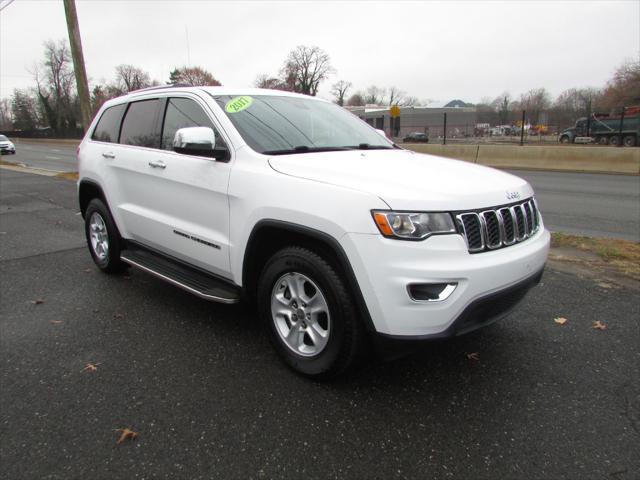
407	180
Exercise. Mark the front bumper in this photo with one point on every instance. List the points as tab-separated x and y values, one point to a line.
7	149
384	267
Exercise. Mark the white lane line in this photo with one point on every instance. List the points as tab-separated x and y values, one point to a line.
51	157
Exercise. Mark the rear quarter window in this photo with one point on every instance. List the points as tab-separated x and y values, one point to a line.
108	126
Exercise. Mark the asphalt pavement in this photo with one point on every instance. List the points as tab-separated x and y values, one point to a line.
209	398
587	203
580	203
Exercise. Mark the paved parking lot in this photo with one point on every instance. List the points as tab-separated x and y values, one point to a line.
210	399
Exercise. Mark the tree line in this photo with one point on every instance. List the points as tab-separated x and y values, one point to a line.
53	102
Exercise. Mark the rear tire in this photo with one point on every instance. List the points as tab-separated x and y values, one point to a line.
629	141
602	140
309	314
103	238
614	140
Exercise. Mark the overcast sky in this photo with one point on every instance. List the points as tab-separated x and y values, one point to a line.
435	50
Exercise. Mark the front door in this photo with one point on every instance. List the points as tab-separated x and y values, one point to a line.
174	203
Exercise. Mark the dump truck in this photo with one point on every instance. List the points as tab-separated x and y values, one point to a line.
605	129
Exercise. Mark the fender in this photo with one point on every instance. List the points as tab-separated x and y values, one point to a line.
317	236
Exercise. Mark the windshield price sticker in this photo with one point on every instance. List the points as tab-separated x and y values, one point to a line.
238	104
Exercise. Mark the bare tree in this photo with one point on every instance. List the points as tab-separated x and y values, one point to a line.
374	95
24	110
266	81
535	101
356	100
396	96
6	118
339	91
624	88
130	78
410	101
55	84
502	104
305	68
195	76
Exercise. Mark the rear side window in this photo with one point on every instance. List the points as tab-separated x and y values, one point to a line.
109	124
183	113
140	124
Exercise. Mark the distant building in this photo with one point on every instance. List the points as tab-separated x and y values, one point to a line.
460	120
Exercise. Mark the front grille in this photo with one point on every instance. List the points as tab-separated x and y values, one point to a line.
499	227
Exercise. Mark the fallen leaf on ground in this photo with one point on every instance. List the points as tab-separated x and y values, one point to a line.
118	316
473	356
560	320
87	270
126	434
56	322
605	285
90	367
599	325
37	301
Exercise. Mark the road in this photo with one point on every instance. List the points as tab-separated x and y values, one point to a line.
586	204
210	399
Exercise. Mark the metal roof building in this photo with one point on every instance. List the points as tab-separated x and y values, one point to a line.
460	120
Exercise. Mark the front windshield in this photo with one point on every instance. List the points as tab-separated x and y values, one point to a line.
274	125
3	138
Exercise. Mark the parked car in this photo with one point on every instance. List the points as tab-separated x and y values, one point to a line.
341	238
416	137
6	146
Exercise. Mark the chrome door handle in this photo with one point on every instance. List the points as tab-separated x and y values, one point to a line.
108	155
157	164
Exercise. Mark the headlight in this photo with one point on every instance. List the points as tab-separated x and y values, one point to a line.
412	225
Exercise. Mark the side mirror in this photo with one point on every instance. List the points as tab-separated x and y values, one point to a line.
199	141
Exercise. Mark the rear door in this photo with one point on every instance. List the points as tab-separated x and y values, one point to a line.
172	202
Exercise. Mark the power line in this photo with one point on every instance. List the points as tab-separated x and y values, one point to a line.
5	4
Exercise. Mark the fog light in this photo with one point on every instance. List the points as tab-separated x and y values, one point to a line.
430	292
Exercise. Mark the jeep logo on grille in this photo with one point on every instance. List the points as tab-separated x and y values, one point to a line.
513	195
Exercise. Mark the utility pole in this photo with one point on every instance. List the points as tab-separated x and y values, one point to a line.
78	62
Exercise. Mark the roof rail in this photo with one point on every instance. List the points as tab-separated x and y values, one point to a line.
158	87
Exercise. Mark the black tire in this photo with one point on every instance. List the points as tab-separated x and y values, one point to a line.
565	139
629	141
346	336
602	141
110	262
614	140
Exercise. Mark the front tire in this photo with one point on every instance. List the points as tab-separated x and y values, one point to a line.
103	238
309	313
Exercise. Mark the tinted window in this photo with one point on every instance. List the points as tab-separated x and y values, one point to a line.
109	124
139	125
183	113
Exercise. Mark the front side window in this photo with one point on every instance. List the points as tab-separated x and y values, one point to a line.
184	113
276	125
140	125
108	126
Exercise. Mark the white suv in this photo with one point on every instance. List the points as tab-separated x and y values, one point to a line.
342	238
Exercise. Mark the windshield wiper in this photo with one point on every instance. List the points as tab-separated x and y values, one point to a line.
304	149
366	146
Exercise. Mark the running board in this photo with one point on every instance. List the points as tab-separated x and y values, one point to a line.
189	278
